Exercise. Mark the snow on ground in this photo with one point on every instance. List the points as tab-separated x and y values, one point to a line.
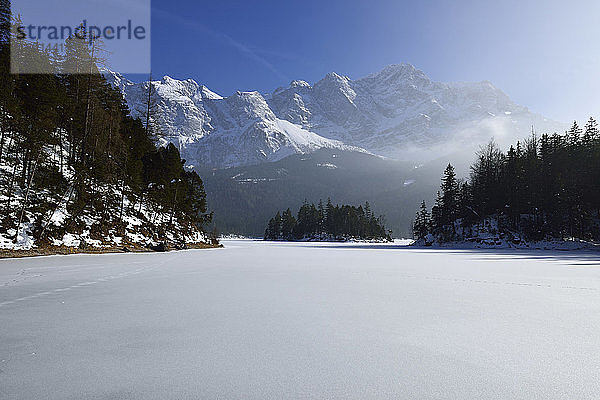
263	320
139	219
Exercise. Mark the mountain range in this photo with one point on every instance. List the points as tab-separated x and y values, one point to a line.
398	113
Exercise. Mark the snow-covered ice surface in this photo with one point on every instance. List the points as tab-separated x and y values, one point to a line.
263	320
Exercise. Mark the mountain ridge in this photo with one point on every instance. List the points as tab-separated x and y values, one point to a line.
215	131
397	112
399	109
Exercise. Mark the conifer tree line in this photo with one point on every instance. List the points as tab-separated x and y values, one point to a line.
67	141
327	222
547	187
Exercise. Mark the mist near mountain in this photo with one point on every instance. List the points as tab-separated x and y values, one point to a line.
245	198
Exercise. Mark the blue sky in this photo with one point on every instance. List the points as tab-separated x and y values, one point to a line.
544	54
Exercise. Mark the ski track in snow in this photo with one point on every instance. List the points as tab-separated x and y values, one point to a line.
60	268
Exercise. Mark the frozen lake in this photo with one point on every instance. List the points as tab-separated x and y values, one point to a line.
301	321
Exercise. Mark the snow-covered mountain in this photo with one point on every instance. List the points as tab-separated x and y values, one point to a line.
397	112
215	131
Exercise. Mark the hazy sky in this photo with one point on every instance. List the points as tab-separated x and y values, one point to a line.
544	54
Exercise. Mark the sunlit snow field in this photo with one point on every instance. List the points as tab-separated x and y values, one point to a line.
263	320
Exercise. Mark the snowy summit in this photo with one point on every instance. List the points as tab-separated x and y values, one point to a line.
389	113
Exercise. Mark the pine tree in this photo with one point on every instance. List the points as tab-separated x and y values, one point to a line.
591	131
321	217
422	222
329	217
449	199
574	134
288	223
273	228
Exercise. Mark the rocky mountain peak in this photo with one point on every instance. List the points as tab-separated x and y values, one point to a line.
391	112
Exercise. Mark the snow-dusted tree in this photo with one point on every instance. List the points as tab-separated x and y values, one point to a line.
422	222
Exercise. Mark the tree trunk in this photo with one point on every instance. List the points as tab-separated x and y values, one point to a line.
122	202
49	219
10	186
173	208
142	202
148	106
27	191
24	170
1	143
60	149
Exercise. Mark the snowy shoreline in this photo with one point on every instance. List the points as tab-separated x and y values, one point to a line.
65	250
502	244
327	241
